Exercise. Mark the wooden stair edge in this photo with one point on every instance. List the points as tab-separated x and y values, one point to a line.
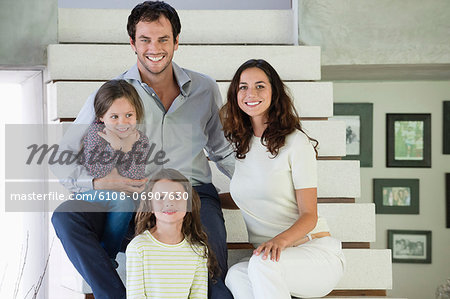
335	200
359	293
345	245
66	119
328	158
334	293
226	199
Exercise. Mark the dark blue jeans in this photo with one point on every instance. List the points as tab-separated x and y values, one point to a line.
120	210
80	233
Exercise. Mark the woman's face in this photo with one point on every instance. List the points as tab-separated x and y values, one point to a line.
254	92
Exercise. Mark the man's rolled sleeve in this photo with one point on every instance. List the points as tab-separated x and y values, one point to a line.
219	149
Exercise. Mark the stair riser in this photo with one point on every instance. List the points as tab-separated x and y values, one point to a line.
336	179
292	63
223	26
312	99
341	218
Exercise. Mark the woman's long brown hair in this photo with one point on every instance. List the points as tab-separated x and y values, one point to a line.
282	117
192	227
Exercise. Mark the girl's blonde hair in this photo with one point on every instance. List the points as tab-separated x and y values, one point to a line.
192	227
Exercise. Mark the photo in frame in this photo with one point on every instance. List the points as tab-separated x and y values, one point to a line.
396	196
446	118
358	118
410	246
408	140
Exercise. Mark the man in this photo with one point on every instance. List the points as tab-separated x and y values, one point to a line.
181	114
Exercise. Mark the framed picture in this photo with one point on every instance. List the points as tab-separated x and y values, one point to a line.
447	193
446	119
410	246
358	118
408	140
396	196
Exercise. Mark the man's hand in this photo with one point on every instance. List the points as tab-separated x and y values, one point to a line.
111	138
114	181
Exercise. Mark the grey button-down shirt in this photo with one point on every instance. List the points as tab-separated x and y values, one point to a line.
190	127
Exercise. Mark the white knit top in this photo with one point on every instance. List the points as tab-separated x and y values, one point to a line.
264	187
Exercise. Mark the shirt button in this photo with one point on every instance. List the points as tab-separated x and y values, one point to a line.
153	94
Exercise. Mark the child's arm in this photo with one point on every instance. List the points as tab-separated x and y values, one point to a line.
97	152
132	164
199	287
135	272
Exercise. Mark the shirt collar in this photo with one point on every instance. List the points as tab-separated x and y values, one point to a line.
182	78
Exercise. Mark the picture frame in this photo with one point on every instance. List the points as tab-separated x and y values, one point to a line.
396	196
447	195
359	134
410	246
446	129
408	140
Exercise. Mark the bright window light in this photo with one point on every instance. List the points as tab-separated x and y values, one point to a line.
11	224
11	103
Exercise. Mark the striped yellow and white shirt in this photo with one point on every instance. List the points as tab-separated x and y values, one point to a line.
158	270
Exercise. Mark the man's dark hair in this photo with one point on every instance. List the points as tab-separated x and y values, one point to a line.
150	11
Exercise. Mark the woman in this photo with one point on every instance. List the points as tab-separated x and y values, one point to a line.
275	186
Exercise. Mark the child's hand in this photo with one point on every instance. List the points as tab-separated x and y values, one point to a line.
111	138
129	141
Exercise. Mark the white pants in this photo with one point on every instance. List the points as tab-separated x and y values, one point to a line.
309	270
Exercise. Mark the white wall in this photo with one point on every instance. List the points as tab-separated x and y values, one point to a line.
377	31
413	281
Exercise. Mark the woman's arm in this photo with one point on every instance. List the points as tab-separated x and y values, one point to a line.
307	206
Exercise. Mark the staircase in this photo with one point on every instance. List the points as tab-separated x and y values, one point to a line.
93	47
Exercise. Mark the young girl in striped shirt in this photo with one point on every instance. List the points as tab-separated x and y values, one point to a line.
170	256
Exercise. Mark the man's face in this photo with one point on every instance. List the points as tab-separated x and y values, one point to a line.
154	46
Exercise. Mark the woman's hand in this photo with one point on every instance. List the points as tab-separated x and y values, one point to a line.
272	247
111	138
